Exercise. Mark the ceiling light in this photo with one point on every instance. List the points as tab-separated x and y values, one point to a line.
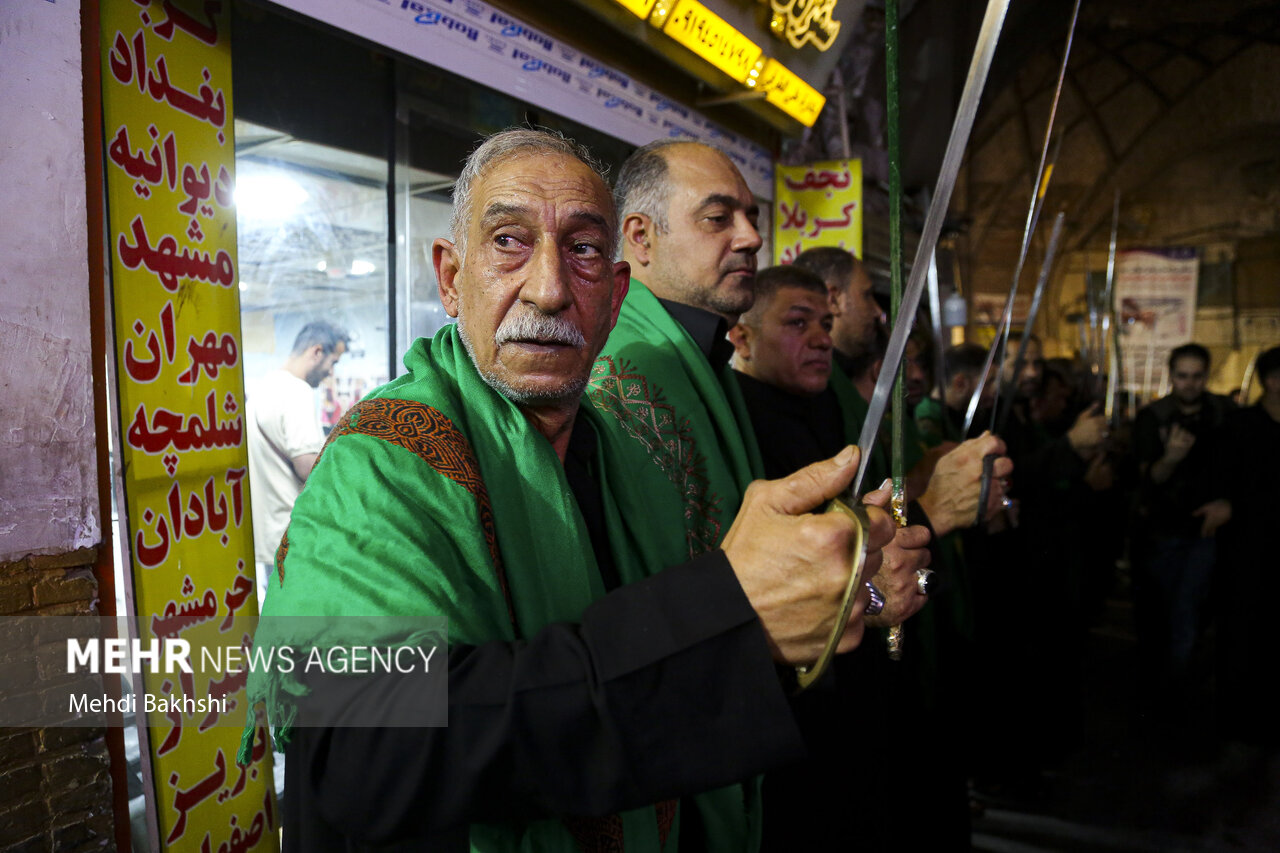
270	196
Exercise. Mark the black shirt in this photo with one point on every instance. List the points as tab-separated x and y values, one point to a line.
665	688
804	810
792	431
1199	478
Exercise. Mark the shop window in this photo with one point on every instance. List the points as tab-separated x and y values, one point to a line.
312	239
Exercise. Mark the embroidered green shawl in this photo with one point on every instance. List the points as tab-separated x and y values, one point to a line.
677	465
678	456
423	507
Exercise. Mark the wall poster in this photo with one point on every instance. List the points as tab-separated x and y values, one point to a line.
170	168
1155	305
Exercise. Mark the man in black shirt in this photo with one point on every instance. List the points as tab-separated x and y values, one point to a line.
783	358
1247	643
944	419
1179	443
783	355
855	312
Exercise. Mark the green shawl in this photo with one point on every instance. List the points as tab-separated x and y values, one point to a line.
853	409
679	462
677	465
424	508
933	423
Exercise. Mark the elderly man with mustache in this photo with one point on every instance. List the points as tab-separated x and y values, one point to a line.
597	698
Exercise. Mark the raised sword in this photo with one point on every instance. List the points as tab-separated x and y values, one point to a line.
1038	190
979	66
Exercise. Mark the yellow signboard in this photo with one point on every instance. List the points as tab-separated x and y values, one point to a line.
817	205
167	114
789	93
710	37
639	8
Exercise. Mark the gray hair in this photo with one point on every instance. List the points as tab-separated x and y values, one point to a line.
643	185
510	143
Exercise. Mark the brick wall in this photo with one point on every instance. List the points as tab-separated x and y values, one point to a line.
55	783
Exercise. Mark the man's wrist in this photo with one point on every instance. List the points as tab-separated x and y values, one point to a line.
936	518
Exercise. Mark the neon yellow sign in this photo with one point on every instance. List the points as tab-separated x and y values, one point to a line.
639	8
789	93
702	31
803	22
710	37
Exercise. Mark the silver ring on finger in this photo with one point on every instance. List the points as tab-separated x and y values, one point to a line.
924	581
876	604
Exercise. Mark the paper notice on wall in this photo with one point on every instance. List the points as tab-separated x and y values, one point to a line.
1155	304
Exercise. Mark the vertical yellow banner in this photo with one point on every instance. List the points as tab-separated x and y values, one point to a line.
817	205
167	116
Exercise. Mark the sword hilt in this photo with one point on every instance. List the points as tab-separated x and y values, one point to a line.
898	503
807	675
984	492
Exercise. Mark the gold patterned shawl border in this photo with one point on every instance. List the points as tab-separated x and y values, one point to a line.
605	834
431	436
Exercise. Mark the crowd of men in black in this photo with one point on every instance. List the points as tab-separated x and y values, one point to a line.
1170	507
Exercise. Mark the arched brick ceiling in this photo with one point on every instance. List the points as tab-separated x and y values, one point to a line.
1175	103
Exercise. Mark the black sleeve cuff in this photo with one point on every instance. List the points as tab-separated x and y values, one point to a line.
917	515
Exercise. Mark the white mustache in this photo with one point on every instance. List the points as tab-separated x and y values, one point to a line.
543	328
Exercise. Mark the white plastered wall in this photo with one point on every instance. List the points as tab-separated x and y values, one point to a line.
48	478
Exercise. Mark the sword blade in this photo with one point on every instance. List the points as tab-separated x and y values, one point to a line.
985	49
1091	296
1111	257
1000	345
1038	191
1001	341
1110	340
1113	380
1042	178
935	309
1248	379
1045	268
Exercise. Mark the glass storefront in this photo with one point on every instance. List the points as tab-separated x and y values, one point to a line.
345	163
312	236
